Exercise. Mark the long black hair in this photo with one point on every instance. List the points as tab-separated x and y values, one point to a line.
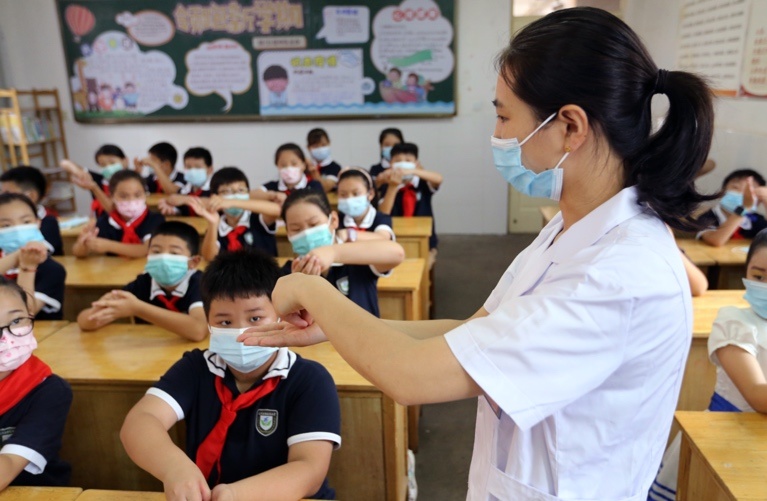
590	58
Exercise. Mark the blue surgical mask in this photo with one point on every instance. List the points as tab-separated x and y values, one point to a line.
320	154
507	154
354	206
16	237
386	152
756	295
236	211
732	200
223	342
311	238
196	177
167	269
110	170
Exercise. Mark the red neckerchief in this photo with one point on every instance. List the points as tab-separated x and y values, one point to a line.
96	205
129	230
234	243
209	452
50	212
21	381
195	193
170	304
9	276
409	200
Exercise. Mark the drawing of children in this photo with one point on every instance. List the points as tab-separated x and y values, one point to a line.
276	80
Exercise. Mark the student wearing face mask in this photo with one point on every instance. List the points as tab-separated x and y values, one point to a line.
198	170
258	420
26	257
576	358
351	265
386	141
126	230
110	158
291	165
322	167
34	402
358	217
167	294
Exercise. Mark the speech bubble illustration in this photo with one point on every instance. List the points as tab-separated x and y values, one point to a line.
221	67
147	27
345	24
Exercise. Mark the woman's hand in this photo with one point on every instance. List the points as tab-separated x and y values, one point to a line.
283	334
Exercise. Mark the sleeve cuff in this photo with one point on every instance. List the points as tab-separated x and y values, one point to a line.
386	228
316	435
197	304
146	238
266	226
165	397
380	274
50	304
36	460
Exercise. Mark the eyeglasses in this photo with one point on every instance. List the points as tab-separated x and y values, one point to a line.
20	327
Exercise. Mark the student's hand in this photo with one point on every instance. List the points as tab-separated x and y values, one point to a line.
217	203
175	200
186	483
32	255
324	256
749	195
223	492
88	231
277	197
97	245
308	265
313	169
138	164
396	177
384	176
419	165
71	167
282	334
119	303
83	180
166	208
761	194
202	210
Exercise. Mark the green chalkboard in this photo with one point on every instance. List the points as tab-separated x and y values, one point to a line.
148	60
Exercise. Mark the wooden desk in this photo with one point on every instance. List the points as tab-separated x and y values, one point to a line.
110	370
726	264
723	456
40	493
104	495
548	212
153	200
44	328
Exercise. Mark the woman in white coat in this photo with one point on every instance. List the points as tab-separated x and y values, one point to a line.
578	354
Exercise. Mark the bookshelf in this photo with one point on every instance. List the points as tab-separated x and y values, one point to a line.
32	133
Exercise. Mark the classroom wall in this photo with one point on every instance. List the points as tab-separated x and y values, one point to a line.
472	200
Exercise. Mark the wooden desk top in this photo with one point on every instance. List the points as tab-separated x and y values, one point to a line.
734	444
40	493
706	307
100	271
406	277
44	328
548	212
696	251
404	227
152	199
101	495
733	253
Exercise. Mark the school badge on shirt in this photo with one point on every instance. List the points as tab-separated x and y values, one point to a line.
266	421
248	237
342	284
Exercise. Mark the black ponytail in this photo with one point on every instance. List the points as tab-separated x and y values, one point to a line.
590	58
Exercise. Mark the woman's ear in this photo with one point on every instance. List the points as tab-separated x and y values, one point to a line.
577	123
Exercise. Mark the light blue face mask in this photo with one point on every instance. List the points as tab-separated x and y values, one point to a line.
320	154
732	200
756	295
354	206
507	154
223	342
16	237
110	170
236	211
386	152
167	269
196	177
311	238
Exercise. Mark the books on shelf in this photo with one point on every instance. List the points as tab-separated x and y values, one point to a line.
36	129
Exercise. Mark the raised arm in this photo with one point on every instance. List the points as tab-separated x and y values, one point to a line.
381	254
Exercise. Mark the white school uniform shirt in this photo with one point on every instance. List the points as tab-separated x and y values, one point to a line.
580	359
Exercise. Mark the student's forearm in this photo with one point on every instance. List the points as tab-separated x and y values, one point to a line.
103	199
381	254
210	245
259	207
86	324
9	262
697	279
433	178
127	250
10	467
182	324
80	250
167	185
259	194
721	235
327	183
288	482
387	204
149	445
26	281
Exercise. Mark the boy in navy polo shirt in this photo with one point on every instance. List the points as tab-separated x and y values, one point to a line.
198	169
164	177
322	167
126	230
34	403
31	182
258	420
167	295
234	220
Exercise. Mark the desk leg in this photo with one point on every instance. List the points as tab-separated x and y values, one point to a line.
683	479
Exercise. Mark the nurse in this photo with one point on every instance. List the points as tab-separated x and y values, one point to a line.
577	356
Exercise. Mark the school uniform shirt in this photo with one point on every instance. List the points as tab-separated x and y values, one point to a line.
188	189
33	429
303	183
257	234
423	194
378	168
371	221
330	169
184	298
49	227
49	288
580	360
154	186
98	178
751	224
303	407
108	227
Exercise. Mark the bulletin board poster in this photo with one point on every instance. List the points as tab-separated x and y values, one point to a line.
181	60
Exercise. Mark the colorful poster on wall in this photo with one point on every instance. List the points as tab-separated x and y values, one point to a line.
137	60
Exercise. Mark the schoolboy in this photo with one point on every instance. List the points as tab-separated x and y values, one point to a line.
166	295
111	159
282	417
323	168
234	220
126	230
165	178
31	182
735	215
198	168
408	187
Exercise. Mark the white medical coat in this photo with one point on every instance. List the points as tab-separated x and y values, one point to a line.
581	360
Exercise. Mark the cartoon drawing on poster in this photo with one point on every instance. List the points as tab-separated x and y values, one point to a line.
310	81
345	25
222	66
116	78
411	48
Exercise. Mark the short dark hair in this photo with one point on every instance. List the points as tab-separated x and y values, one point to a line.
227	175
274	72
391	131
15	288
165	152
289	147
740	174
199	152
307	195
124	175
184	231
27	178
109	149
6	198
240	274
405	148
316	135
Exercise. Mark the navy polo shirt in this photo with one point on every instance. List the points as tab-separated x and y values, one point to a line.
312	185
153	186
376	170
331	170
423	193
33	429
188	292
98	178
358	282
258	234
108	228
303	407
49	227
372	221
753	224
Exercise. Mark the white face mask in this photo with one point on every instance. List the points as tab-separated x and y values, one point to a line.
290	175
223	342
